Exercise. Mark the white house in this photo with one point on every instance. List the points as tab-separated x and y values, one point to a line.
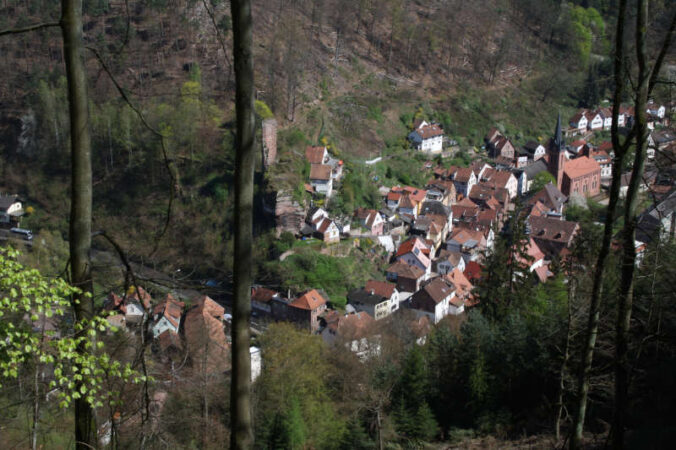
436	300
607	116
594	120
378	298
621	118
463	179
656	110
535	150
320	179
415	253
427	137
10	208
315	214
167	316
328	231
579	120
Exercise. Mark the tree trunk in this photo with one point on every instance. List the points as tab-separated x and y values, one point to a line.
81	195
625	297
646	81
564	363
595	303
240	403
36	408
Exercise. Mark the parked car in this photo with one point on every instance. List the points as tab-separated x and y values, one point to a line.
25	234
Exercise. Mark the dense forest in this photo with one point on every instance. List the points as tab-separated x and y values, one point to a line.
162	135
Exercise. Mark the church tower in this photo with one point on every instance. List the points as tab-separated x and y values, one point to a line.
557	154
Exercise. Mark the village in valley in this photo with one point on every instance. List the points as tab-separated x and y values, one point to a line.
431	240
435	236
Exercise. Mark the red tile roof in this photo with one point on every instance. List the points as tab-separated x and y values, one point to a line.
463	174
262	295
315	155
205	335
170	308
473	270
310	301
404	270
326	223
581	166
430	131
462	285
408	245
355	326
416	194
381	288
393	196
320	172
606	146
576	118
543	273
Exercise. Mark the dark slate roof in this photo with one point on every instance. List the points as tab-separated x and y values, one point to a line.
435	207
360	296
535	168
7	200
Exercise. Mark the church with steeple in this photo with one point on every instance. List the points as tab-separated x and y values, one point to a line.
581	175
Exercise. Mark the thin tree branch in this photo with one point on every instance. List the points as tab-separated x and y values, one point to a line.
35	27
169	163
662	54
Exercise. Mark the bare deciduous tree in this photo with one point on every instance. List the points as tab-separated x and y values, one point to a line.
241	423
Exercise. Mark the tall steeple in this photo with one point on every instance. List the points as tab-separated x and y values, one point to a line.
558	139
557	154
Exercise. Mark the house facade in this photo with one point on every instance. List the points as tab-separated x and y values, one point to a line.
305	310
435	300
10	210
582	176
427	138
378	298
407	278
320	179
167	316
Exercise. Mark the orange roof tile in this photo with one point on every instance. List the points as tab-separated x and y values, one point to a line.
315	155
381	288
320	172
581	166
311	300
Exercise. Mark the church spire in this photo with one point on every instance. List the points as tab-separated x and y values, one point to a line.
558	139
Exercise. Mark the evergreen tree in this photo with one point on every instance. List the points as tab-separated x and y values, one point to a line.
591	96
506	281
294	427
425	424
356	437
414	417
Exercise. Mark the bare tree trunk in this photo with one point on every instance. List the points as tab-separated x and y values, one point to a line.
625	298
36	407
240	402
564	363
81	195
595	303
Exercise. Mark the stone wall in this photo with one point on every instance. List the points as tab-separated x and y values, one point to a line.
269	141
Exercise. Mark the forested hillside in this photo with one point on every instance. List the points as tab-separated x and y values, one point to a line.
352	78
344	71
